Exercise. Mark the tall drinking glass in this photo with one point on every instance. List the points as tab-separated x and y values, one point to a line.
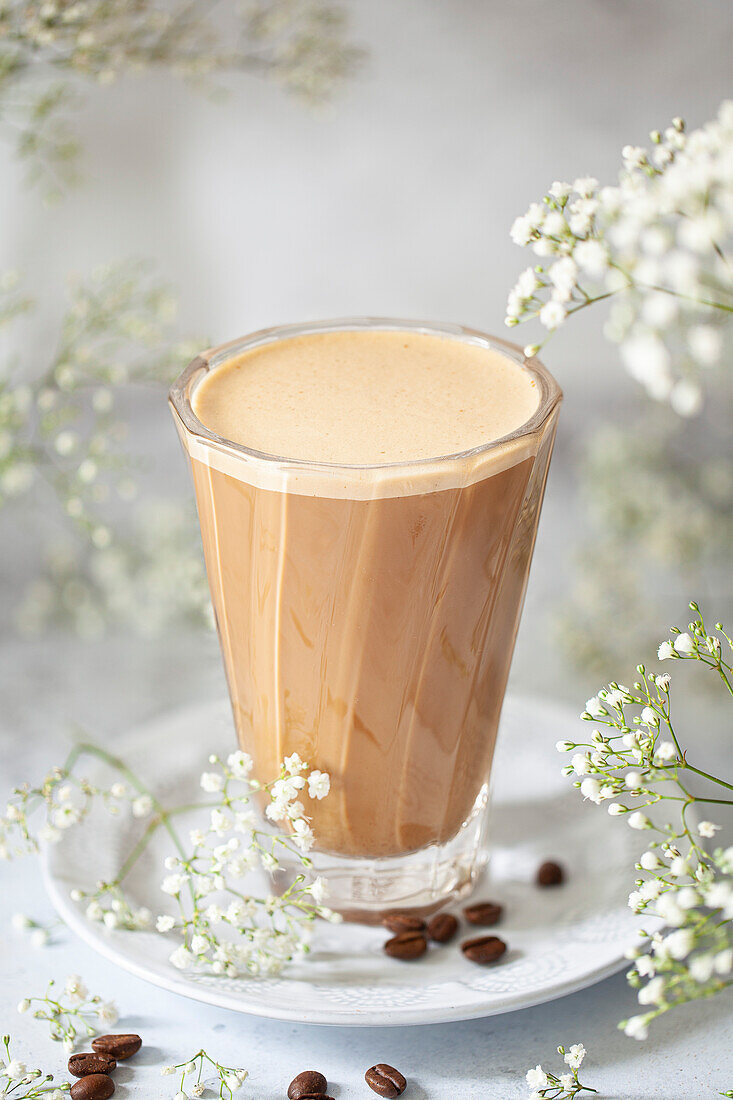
367	616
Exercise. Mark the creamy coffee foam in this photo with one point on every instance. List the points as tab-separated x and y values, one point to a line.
366	398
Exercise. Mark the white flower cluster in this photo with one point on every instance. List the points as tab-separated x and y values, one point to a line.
226	1079
66	800
27	1084
224	930
73	1013
565	1086
635	763
658	244
109	905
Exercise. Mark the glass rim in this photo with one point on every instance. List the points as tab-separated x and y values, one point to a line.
179	395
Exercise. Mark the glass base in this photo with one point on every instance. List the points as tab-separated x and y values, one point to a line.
366	890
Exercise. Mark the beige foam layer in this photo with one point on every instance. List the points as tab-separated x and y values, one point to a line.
384	403
367	483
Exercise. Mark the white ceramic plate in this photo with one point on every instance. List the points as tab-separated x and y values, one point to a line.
560	940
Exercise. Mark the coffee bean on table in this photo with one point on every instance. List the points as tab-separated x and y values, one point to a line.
119	1046
483	949
97	1086
406	946
485	913
442	927
306	1085
550	874
81	1065
385	1080
403	922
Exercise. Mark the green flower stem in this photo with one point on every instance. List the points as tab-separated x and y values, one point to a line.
712	779
162	816
686	297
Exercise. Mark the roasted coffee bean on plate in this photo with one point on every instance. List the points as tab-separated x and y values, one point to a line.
550	874
119	1046
442	927
485	913
97	1086
307	1085
81	1065
403	922
406	946
483	949
385	1080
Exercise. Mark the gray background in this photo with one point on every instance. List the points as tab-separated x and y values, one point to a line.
396	199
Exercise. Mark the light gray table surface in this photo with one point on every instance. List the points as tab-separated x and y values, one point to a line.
109	686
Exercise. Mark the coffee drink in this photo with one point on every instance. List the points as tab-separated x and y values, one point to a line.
368	499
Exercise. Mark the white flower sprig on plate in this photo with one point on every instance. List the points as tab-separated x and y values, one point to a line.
224	928
207	882
227	1079
21	1083
636	764
565	1086
71	1014
658	244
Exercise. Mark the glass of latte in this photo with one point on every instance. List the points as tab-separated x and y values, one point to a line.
368	492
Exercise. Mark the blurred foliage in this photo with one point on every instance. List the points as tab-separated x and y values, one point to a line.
50	51
658	494
62	450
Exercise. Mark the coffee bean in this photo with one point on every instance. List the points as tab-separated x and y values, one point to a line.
81	1065
406	946
485	913
385	1080
403	922
550	874
97	1086
483	949
442	927
307	1084
119	1046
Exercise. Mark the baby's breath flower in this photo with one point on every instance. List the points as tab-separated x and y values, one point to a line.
536	1078
564	1086
212	782
72	1014
228	1079
319	784
639	753
236	935
575	1055
684	644
657	245
142	806
637	1027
